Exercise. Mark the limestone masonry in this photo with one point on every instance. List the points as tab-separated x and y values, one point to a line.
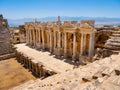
5	39
68	39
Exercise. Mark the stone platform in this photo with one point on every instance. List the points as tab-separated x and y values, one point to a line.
45	58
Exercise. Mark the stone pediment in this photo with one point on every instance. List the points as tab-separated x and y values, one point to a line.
90	22
68	25
86	26
43	24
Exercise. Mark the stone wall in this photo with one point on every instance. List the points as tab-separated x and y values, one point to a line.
38	69
5	40
22	34
7	56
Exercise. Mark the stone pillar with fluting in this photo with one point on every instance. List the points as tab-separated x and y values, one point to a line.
84	43
30	36
43	40
34	37
50	41
59	39
81	50
39	38
28	31
27	36
74	46
65	45
91	45
54	39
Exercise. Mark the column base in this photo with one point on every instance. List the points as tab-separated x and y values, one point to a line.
58	51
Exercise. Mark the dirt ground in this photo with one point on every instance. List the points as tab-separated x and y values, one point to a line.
13	73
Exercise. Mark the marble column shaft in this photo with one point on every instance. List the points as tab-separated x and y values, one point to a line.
50	41
65	44
81	50
27	37
84	42
34	37
59	39
30	36
54	39
43	40
91	45
74	46
39	37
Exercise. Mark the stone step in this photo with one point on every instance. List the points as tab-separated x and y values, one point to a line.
117	35
113	40
112	47
115	31
112	37
113	44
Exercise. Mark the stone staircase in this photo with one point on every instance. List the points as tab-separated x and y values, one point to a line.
113	43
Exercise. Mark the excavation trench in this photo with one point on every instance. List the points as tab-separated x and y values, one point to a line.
37	68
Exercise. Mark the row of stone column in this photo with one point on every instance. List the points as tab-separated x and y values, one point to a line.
82	44
55	41
91	43
36	68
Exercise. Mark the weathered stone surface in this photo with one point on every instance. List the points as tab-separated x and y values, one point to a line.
5	39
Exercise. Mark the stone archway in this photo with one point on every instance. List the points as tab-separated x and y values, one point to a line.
101	38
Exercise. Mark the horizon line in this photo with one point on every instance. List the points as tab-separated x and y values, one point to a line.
57	16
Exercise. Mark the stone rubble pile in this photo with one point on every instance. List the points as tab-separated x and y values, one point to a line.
5	38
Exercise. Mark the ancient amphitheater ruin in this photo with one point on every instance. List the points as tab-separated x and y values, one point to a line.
65	55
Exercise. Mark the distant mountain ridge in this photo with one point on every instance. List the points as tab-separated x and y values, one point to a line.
98	20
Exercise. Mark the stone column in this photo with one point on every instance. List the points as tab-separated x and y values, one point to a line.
91	45
39	38
59	39
34	37
43	40
84	43
50	41
30	36
65	44
74	46
27	36
62	37
54	39
81	50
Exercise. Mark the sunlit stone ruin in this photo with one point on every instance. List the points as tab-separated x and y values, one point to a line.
6	46
66	55
68	40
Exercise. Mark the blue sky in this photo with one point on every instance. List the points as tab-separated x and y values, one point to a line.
16	9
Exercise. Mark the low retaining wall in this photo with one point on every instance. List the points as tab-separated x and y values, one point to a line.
37	69
7	56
